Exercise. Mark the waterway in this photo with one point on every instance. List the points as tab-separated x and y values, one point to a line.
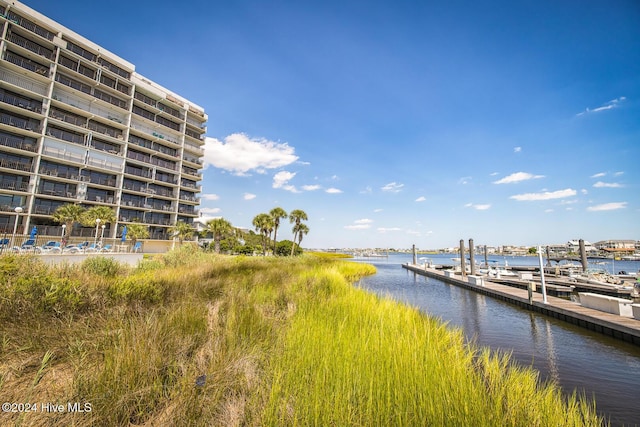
575	358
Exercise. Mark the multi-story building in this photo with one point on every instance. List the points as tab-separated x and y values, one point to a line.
79	125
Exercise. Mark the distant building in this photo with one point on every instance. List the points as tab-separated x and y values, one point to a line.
617	246
79	125
573	246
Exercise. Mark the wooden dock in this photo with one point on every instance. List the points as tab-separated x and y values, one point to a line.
624	328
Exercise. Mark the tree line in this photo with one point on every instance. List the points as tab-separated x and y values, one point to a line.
225	236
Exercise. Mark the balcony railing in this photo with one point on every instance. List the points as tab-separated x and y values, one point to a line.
99	180
105	130
16	165
31	26
23	82
26	63
19	143
19	101
63	154
134	187
31	46
66	117
137	172
12	185
76	138
19	122
56	173
58	193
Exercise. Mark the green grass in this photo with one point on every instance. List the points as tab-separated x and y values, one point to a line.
195	339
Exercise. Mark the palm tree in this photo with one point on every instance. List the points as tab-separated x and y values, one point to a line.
68	215
301	230
264	225
220	228
137	231
296	217
276	214
98	215
182	230
105	214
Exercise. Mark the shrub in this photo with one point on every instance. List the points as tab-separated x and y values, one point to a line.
141	287
101	266
283	248
31	288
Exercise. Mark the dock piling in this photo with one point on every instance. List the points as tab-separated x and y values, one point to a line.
583	255
472	258
463	267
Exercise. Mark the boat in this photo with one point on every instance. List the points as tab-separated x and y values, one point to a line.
601	277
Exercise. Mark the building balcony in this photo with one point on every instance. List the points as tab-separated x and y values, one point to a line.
20	101
31	46
20	122
12	185
16	165
27	64
26	144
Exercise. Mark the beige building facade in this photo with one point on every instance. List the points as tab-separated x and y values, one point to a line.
79	125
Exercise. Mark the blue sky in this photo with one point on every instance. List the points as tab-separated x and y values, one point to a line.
394	123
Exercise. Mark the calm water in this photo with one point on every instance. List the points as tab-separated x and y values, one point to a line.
575	358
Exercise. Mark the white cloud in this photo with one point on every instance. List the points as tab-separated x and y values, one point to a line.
209	196
584	191
209	210
546	195
249	196
421	199
360	224
333	190
378	210
386	230
357	226
240	154
517	177
517	149
598	175
392	187
464	180
367	190
311	187
281	180
601	184
606	106
363	221
478	207
608	206
618	173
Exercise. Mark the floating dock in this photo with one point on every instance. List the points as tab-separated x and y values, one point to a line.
624	328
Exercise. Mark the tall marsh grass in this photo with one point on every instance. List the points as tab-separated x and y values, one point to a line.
195	339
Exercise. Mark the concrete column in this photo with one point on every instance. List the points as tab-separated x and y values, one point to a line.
463	268
415	261
472	258
583	255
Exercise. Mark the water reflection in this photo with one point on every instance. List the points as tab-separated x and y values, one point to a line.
576	358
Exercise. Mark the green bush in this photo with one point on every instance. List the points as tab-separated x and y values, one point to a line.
31	288
141	287
182	255
283	248
102	266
